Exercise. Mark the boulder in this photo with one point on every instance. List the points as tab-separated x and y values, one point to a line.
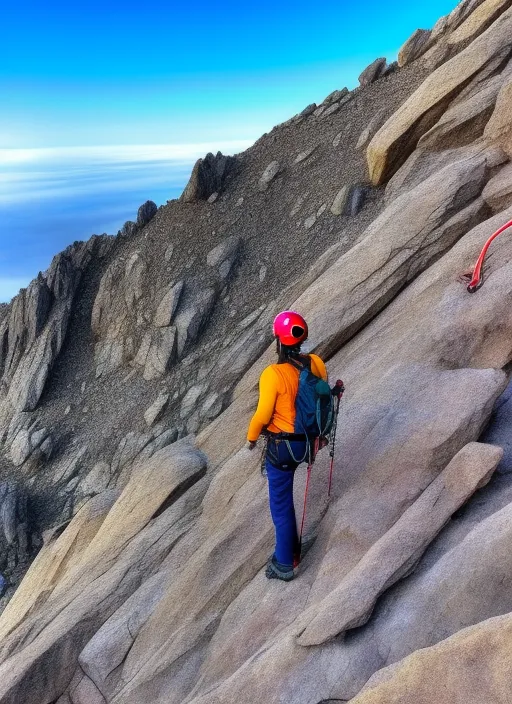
310	221
479	20
336	96
337	140
306	154
270	173
189	401
208	177
192	318
499	128
168	305
393	143
414	47
396	554
309	110
60	549
331	110
114	312
372	72
155	411
108	572
368	132
422	164
146	212
69	465
224	255
26	442
96	481
472	662
349	200
161	353
498	192
465	120
457	16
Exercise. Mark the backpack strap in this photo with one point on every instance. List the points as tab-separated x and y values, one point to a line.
306	364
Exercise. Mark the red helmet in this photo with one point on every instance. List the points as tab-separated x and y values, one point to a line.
290	328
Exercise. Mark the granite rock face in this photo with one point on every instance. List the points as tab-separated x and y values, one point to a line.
134	523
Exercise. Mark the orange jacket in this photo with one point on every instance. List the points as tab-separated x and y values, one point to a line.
278	388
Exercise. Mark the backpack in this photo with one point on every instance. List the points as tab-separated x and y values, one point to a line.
314	403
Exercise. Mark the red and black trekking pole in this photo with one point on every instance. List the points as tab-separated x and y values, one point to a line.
337	391
308	477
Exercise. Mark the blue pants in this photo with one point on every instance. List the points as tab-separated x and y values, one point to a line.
281	466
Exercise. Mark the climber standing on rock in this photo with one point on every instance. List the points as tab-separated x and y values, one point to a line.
295	401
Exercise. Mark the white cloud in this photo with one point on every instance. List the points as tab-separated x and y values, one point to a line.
119	153
68	172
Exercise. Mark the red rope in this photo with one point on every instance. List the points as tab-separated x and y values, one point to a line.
477	280
315	450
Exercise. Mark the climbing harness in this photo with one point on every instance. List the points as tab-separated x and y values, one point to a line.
478	280
338	392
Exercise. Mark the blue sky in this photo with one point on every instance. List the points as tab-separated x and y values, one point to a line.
86	86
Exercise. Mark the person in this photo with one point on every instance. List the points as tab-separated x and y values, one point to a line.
286	448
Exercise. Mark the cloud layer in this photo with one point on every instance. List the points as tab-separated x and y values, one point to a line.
51	197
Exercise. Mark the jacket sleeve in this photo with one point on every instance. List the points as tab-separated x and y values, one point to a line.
266	404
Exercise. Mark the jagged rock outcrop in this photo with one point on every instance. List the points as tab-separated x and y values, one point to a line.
14	528
146	212
208	177
414	47
373	72
397	138
34	332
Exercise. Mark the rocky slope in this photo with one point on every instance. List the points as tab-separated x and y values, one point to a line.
129	373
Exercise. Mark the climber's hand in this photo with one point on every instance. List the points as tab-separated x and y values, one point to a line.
250	445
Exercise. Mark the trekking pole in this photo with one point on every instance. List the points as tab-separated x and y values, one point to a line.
310	466
337	391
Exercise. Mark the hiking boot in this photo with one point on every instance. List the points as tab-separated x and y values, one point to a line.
276	570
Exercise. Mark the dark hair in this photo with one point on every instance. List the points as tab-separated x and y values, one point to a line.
287	352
